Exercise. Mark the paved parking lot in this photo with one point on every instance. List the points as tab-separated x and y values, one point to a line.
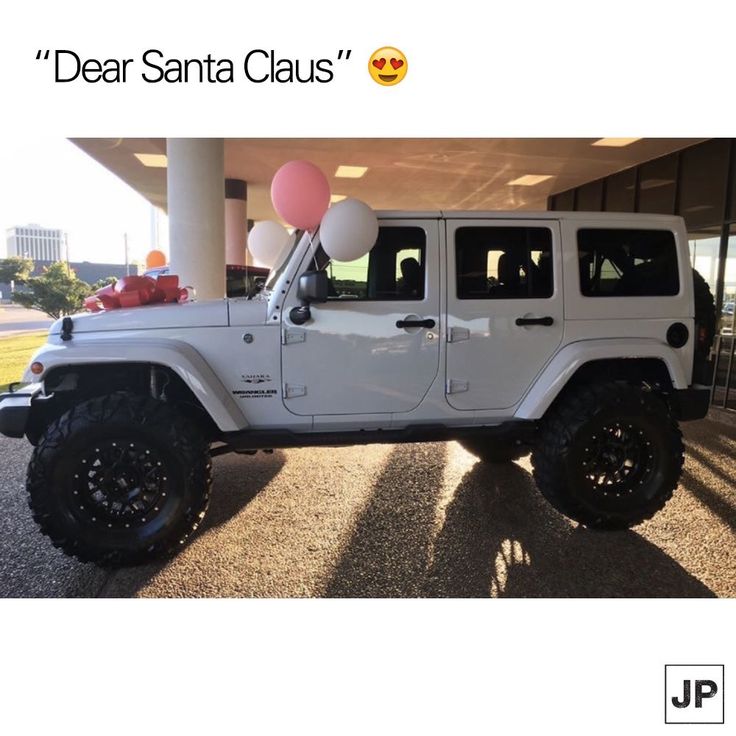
411	520
15	319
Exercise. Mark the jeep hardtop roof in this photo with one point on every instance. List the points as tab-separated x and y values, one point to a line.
523	215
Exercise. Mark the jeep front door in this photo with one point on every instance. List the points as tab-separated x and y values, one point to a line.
504	308
373	347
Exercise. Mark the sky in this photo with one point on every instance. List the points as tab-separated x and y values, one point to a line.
51	182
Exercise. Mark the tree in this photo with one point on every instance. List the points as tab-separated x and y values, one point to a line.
102	283
57	291
15	269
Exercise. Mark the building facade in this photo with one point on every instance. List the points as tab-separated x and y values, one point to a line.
698	183
37	243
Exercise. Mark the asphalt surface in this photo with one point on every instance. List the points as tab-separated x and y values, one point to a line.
404	520
15	320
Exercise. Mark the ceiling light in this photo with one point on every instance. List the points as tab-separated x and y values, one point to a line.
337	198
350	172
155	160
529	180
615	142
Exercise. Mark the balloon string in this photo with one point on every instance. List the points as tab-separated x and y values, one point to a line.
311	248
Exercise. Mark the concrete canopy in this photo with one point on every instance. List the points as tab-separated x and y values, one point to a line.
402	173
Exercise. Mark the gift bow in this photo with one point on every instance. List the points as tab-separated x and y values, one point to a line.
136	291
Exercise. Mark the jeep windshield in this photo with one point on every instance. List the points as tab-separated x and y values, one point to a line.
282	260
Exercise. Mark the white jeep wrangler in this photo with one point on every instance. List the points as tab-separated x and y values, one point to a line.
582	338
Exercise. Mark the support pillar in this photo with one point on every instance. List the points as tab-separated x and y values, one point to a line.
236	216
196	207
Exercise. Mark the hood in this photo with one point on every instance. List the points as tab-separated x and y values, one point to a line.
156	316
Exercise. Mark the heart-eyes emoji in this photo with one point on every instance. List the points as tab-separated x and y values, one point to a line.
387	66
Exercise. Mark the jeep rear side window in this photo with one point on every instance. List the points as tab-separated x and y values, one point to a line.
503	262
392	271
624	262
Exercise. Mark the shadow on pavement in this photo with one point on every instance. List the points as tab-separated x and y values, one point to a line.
708	496
237	481
389	550
499	537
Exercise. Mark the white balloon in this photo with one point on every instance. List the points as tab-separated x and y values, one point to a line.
266	240
348	230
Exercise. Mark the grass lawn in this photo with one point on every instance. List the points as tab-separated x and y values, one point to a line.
15	352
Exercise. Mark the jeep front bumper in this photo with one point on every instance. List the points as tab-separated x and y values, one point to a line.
15	410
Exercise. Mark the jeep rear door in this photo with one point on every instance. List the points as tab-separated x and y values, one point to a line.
504	308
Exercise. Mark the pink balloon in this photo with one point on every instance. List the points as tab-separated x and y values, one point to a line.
300	194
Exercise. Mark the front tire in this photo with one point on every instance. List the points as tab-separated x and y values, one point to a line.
608	456
119	480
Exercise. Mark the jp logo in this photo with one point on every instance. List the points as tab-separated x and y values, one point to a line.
693	693
703	689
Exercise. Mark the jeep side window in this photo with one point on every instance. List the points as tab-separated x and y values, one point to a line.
392	271
625	262
503	262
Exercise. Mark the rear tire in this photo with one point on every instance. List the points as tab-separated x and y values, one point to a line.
119	480
609	455
705	328
495	451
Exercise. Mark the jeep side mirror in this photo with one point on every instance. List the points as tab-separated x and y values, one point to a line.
313	287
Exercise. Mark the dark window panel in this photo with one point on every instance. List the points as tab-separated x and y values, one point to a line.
621	191
623	262
565	201
732	206
503	262
394	270
590	197
657	185
703	173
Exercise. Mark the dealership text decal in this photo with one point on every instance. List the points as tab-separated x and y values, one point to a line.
257	66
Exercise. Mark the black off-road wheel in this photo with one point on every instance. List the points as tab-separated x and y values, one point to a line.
705	317
119	480
608	456
493	451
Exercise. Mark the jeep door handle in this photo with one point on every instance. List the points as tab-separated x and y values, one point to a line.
428	323
544	321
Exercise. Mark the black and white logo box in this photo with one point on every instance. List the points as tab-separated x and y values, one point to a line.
693	693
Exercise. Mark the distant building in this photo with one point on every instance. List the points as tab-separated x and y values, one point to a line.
37	243
92	272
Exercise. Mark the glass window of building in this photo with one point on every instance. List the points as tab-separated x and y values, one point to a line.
724	383
728	310
590	197
732	202
565	201
704	252
621	191
703	174
657	185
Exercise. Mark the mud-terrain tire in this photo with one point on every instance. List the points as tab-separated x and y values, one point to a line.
608	455
705	317
119	480
495	451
